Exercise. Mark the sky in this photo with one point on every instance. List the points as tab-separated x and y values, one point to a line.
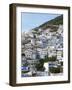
32	20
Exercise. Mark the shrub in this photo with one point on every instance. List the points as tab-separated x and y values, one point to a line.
40	65
53	58
54	70
25	71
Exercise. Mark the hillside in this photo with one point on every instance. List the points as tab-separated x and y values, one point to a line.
56	21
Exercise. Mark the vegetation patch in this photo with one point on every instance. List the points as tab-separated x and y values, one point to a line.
54	70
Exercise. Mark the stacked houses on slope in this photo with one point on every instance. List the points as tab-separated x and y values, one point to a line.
45	40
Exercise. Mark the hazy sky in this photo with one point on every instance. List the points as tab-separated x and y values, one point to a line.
32	20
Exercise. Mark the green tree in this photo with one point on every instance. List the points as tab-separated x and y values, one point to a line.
52	59
54	70
40	65
47	59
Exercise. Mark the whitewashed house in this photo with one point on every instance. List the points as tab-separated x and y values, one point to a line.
44	52
60	29
59	53
28	53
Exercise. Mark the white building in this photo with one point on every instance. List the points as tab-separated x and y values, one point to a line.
28	53
44	52
60	53
60	29
46	31
28	45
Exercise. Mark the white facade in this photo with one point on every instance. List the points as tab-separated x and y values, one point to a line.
44	52
53	47
28	53
59	54
60	29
